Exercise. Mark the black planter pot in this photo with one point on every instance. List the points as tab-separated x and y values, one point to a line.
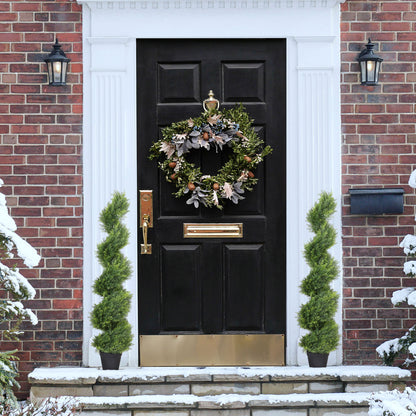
110	361
317	359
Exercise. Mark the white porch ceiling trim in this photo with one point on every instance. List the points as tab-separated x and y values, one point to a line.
178	4
110	30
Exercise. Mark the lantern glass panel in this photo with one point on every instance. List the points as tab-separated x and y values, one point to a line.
50	76
57	71
363	72
64	69
371	75
377	71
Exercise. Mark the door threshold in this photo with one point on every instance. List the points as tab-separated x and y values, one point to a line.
212	350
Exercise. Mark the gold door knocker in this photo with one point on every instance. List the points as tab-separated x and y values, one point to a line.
211	103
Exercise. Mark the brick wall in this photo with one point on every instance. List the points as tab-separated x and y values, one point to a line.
40	163
378	125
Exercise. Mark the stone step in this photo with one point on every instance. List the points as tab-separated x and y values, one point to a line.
209	381
323	404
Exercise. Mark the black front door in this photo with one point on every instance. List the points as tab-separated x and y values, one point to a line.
213	286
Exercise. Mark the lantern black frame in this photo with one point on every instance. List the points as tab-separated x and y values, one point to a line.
57	60
366	57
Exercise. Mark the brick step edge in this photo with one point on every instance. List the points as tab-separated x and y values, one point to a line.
226	401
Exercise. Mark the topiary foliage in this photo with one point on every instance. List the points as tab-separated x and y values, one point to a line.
110	315
317	315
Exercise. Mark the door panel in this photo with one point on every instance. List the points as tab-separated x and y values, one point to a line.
179	83
244	291
181	291
213	286
243	82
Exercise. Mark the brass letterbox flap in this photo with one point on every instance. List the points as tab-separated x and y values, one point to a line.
213	230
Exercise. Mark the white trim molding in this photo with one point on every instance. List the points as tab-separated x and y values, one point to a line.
311	29
208	4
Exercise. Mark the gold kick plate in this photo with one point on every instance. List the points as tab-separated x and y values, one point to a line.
213	230
146	218
208	350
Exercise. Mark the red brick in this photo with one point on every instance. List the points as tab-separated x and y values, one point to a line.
26	128
364	27
44	180
65	17
29	149
394	149
58	212
385	118
59	27
395	6
356	118
67	304
28	27
34	201
26	89
407	98
396	26
397	16
26	6
406	36
372	129
32	79
399	108
370	108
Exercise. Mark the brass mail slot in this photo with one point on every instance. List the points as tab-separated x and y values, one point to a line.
210	230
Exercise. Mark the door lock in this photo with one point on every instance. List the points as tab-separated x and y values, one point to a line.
146	219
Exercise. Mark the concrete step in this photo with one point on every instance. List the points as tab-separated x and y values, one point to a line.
211	381
219	391
310	404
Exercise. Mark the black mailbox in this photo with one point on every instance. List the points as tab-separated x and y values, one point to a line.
372	201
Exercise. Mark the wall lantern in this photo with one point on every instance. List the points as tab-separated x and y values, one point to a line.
369	65
57	64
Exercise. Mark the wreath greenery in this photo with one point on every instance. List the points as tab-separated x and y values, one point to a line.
213	130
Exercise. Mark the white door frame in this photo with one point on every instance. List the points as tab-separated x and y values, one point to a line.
110	30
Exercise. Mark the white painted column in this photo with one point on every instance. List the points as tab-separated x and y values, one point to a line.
110	165
313	165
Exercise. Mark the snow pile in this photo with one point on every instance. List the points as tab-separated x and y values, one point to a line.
390	350
407	294
409	245
388	347
61	406
393	403
412	179
10	278
409	268
12	310
8	228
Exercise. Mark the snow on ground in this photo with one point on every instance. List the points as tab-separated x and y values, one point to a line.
393	403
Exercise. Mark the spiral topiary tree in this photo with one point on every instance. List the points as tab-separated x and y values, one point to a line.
317	315
110	315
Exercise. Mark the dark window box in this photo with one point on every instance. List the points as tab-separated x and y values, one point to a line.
371	201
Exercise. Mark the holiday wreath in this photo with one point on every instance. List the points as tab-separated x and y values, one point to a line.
213	130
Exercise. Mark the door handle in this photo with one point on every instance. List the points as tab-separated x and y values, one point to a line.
145	225
146	219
